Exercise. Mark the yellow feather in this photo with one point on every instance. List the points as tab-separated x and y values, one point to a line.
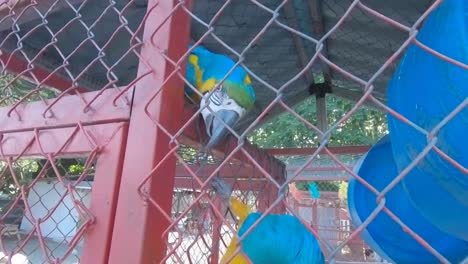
247	80
238	259
207	85
193	59
241	211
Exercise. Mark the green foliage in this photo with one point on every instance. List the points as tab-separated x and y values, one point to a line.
364	127
13	89
323	186
76	169
26	170
190	155
343	192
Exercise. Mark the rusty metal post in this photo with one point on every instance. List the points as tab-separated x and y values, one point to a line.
140	225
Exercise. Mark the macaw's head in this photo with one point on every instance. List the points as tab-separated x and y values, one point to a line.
221	112
225	106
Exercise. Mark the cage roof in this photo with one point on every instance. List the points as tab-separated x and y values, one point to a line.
94	37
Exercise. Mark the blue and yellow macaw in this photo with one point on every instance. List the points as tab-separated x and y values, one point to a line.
277	239
230	101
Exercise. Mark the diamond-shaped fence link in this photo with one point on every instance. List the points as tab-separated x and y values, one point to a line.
104	155
45	208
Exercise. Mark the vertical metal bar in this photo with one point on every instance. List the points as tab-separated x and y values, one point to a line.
139	226
312	215
281	179
270	194
315	220
104	199
322	123
217	223
263	199
318	27
298	41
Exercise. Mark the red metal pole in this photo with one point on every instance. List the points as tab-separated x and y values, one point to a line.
110	136
139	224
104	198
217	224
270	193
315	223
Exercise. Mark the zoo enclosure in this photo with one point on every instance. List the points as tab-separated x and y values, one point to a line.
131	129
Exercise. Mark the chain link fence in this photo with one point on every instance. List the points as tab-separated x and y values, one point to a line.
103	153
45	208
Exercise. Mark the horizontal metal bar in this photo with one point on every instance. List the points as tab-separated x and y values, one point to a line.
244	172
293	169
232	171
65	113
310	151
247	185
344	177
52	140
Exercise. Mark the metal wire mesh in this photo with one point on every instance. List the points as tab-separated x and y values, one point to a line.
44	209
79	67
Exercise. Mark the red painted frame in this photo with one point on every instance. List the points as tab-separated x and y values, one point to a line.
118	203
107	139
148	208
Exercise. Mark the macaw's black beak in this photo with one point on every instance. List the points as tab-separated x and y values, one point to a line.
216	129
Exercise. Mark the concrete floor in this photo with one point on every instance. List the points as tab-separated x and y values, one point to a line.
190	246
32	253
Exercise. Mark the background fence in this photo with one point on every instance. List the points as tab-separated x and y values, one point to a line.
99	146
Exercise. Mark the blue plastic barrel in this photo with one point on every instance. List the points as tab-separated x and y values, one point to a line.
384	235
425	89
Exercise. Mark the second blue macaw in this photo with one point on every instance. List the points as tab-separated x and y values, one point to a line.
277	239
232	99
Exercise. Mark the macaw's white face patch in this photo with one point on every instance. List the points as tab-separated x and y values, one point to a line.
218	101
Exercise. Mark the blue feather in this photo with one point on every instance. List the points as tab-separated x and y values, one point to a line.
313	189
280	239
216	66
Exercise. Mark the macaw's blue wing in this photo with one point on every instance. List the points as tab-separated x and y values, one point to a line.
190	76
280	239
212	68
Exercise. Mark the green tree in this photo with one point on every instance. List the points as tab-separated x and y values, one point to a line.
13	89
364	127
26	170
